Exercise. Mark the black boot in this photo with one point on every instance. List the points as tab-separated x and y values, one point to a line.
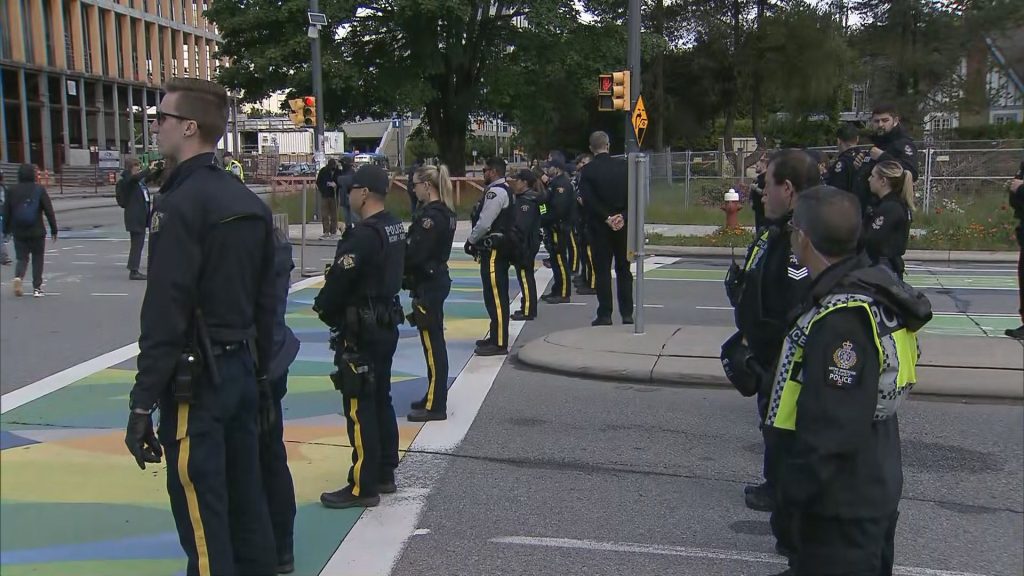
344	499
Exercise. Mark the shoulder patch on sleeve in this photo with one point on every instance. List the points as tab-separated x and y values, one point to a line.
154	222
795	270
347	261
877	224
427	223
491	195
841	368
909	150
839	167
560	190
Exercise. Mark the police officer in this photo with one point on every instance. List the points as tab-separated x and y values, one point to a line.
233	166
277	478
584	280
603	189
1016	188
890	141
359	302
555	220
842	172
764	292
211	289
527	210
491	219
426	275
848	362
887	227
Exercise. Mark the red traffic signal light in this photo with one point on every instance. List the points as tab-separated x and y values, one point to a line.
606	83
309	101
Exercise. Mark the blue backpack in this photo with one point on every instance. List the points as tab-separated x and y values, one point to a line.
26	213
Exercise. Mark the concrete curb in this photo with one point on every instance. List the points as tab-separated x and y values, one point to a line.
660	356
911	255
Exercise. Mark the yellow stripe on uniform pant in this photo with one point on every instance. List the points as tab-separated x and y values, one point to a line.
561	264
575	251
497	297
593	277
184	449
357	439
431	371
526	291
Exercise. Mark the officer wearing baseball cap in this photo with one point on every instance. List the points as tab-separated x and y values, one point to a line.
359	302
557	228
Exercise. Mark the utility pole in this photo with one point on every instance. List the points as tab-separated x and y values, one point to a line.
633	63
318	86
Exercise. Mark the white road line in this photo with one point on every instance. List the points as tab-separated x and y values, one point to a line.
85	255
71	247
706	553
375	543
922	287
109	294
713	307
55	382
421	532
85	263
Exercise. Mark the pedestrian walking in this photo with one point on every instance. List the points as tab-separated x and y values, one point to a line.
327	185
133	196
359	303
846	366
27	203
603	185
426	274
4	258
211	291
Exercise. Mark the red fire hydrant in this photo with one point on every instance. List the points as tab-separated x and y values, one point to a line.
732	207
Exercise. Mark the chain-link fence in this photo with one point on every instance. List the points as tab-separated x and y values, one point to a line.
949	174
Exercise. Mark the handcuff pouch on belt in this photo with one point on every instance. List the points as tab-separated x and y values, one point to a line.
734	284
354	376
195	360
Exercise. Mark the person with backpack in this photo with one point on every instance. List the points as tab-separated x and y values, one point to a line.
527	210
133	195
4	258
26	204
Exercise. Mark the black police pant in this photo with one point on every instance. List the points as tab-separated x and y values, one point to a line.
494	274
586	257
607	245
277	478
138	240
846	546
1020	271
370	420
528	288
213	474
558	251
572	249
34	248
429	315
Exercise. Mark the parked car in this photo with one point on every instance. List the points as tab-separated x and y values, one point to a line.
296	169
375	159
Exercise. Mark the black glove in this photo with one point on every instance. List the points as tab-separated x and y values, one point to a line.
141	440
267	413
470	248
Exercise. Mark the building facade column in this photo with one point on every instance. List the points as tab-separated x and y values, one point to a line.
26	149
92	13
145	120
154	54
110	23
131	120
56	10
204	59
101	118
193	69
4	153
65	117
168	54
179	51
45	124
77	35
127	67
117	118
35	22
13	14
141	62
82	108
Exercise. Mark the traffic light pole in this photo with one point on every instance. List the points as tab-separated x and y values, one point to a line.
318	86
633	63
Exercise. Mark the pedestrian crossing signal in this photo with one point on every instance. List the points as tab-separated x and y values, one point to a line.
613	91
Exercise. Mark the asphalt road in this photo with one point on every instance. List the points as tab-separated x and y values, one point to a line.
564	475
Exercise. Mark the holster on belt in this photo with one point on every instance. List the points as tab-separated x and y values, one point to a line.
354	376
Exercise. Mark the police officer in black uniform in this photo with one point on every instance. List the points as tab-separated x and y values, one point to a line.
603	186
768	288
840	472
890	141
843	171
527	210
584	280
426	276
1016	188
210	291
492	219
359	302
556	221
887	225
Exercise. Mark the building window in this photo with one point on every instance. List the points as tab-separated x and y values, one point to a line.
86	39
104	65
1005	118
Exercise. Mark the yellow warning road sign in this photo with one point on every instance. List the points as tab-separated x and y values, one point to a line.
639	120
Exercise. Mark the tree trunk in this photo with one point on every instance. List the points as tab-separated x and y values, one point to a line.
449	130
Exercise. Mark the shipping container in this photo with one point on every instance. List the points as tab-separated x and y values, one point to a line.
286	142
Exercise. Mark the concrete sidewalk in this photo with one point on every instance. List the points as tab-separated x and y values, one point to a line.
688	355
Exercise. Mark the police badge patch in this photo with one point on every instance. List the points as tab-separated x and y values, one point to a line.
841	373
427	223
491	195
877	224
909	150
525	208
154	223
839	167
560	190
347	261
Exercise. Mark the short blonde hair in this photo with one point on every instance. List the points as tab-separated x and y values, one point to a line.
204	102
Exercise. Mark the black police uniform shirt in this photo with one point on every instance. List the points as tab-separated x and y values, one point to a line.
841	175
492	213
430	241
212	247
368	263
774	287
526	218
897	146
887	232
840	462
561	197
603	183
